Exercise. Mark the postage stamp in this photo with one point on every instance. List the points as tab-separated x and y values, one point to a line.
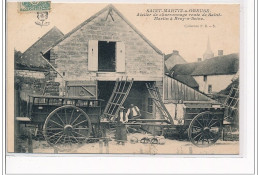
35	6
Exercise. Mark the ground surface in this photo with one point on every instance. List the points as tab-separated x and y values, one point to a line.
169	147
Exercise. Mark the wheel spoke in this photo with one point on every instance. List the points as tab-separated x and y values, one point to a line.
60	118
208	118
203	120
79	134
65	114
211	136
82	128
56	123
211	120
58	140
74	137
197	135
55	134
50	129
199	123
80	123
71	115
213	124
199	138
76	119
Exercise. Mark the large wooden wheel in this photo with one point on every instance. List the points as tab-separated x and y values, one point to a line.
67	126
205	129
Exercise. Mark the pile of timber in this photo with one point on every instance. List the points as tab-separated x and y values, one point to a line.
52	88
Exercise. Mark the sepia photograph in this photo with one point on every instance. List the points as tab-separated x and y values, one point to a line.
86	78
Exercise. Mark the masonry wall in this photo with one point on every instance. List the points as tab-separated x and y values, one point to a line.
70	56
218	82
27	83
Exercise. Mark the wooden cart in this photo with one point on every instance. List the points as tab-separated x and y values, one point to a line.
202	121
64	120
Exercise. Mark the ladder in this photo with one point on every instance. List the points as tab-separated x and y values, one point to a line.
231	111
117	98
156	97
231	103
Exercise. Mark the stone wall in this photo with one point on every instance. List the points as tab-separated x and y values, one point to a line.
70	56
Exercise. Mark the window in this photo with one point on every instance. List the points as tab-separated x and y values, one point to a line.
205	77
106	56
150	105
210	89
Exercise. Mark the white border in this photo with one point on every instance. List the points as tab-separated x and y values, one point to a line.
72	164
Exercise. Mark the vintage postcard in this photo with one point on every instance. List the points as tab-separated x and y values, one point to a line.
123	78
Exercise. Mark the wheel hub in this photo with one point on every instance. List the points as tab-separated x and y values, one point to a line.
68	129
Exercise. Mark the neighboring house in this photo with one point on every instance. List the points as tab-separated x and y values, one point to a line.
103	48
30	67
182	73
212	75
31	59
172	59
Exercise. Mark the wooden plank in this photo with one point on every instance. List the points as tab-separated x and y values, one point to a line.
147	124
148	120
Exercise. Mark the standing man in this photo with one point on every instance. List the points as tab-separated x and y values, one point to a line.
121	134
133	112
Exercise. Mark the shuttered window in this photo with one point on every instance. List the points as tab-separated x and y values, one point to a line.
100	55
120	57
93	55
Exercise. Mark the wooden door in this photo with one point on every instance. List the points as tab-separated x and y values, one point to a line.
81	89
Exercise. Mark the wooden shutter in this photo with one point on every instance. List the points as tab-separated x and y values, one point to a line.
120	57
93	55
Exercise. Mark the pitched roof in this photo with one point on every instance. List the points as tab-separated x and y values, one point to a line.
172	59
220	65
107	8
184	69
187	79
32	57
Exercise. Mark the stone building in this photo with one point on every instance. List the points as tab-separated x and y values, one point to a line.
32	71
90	58
211	75
172	59
103	48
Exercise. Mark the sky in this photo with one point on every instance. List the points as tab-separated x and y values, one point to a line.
167	35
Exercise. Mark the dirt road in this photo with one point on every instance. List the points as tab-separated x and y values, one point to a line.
169	147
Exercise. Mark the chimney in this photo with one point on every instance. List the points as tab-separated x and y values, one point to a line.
220	52
175	52
199	59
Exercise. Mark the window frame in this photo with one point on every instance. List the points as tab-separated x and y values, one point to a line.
205	77
210	88
150	105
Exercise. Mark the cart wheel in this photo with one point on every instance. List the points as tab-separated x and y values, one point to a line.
205	129
67	126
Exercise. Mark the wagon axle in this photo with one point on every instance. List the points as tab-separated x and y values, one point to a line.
68	129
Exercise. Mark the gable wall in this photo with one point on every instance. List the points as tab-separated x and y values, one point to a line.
71	55
214	81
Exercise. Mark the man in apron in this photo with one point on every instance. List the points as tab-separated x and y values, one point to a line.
121	134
